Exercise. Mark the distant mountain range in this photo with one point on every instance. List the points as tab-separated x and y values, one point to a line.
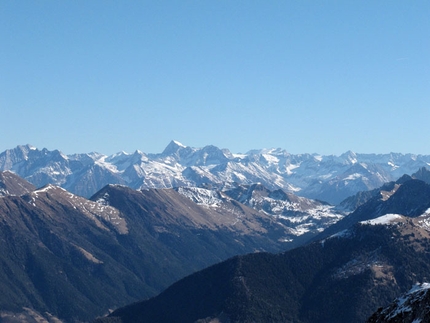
327	178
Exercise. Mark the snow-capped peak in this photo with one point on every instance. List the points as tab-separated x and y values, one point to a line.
173	148
350	156
177	143
326	178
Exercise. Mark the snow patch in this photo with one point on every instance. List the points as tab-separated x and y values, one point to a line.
201	196
104	164
353	177
385	219
424	220
179	144
342	234
271	158
47	188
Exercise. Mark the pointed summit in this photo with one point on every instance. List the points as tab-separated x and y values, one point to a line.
178	143
10	157
173	147
349	156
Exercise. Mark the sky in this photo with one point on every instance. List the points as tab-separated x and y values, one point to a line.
305	76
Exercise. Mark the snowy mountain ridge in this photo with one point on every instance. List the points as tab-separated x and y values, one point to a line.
299	216
328	178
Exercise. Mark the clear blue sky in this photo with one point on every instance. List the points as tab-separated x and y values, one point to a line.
306	76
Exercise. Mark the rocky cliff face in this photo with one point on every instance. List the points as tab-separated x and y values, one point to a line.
412	307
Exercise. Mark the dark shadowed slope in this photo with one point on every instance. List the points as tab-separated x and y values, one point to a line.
11	184
341	279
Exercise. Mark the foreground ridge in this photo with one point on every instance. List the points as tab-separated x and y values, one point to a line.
344	278
74	258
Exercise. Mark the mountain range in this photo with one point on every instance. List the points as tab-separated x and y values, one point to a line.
73	258
343	278
327	178
85	234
